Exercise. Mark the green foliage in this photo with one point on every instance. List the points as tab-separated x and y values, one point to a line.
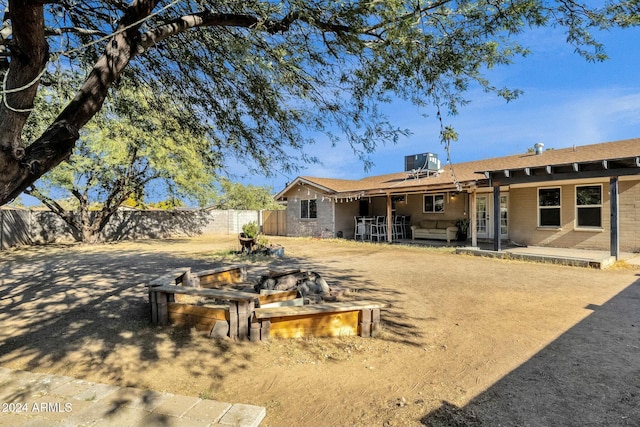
140	140
196	84
463	225
138	143
262	241
238	196
251	229
266	78
167	204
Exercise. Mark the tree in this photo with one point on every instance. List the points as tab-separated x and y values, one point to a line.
238	196
135	142
261	73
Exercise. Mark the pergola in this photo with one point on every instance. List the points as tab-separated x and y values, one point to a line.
611	168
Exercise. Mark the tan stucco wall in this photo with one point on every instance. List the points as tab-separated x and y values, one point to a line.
523	218
629	216
454	208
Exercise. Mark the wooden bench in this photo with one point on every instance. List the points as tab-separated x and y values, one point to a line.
234	274
221	276
241	306
319	320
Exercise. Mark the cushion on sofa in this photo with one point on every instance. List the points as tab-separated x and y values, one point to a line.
445	224
436	230
428	223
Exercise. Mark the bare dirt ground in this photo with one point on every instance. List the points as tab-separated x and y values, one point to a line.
466	341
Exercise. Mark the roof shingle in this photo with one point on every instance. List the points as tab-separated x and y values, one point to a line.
469	172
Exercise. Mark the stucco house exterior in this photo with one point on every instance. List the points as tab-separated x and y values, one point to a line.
585	197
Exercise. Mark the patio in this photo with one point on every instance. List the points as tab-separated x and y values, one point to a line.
566	256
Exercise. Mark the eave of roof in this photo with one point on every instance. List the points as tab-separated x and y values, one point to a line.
474	173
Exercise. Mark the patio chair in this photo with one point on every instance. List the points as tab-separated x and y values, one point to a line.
360	229
399	231
379	229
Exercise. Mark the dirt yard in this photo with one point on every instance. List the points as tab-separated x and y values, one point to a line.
466	341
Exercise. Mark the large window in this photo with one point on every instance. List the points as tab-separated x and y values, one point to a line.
433	203
549	207
308	209
589	206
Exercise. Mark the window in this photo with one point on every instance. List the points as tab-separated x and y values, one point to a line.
433	203
549	207
308	209
589	206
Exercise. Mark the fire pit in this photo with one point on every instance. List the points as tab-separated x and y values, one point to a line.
283	304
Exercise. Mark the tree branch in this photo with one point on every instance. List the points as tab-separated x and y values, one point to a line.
55	207
208	19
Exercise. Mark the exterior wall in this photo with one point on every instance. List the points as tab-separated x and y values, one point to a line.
629	216
456	207
322	226
523	218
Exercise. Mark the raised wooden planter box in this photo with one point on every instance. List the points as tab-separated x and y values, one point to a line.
244	315
333	319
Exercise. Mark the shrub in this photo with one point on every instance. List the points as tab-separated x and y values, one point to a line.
251	229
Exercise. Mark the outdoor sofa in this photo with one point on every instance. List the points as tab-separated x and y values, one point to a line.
434	229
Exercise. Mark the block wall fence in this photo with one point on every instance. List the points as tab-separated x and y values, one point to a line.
19	227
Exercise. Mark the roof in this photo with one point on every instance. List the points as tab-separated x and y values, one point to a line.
470	174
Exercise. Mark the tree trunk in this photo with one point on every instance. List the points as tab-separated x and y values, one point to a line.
29	54
22	167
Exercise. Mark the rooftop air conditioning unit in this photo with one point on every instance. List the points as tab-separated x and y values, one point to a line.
424	161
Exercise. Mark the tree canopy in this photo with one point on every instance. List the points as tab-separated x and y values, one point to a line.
264	75
235	195
138	143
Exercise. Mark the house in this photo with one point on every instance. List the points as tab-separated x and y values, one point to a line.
585	197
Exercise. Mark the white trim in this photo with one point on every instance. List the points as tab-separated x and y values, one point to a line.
575	206
545	227
434	203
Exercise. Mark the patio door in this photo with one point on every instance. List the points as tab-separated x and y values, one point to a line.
484	212
482	216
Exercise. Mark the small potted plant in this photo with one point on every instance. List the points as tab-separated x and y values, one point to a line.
248	236
463	229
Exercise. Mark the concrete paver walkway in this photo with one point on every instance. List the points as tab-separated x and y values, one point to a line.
31	399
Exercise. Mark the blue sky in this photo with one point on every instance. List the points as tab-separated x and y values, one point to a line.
567	101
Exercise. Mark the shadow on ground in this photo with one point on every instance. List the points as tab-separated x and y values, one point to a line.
589	376
64	303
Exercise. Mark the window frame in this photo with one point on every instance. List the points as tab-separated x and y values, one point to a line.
578	207
433	203
308	209
558	207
